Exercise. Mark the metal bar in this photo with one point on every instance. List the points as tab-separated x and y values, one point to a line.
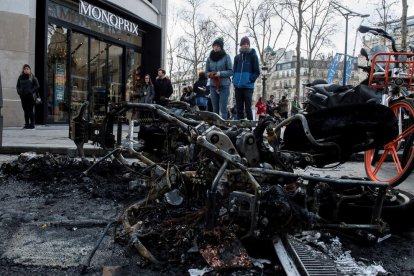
102	159
219	175
319	178
379	202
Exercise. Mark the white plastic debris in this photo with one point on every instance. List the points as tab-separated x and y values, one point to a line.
199	272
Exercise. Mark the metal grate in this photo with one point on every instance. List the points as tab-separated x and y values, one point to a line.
292	252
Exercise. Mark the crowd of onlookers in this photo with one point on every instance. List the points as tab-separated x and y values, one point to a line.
211	91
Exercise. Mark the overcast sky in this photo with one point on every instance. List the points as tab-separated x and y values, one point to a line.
354	5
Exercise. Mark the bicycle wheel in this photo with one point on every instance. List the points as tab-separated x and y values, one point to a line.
394	162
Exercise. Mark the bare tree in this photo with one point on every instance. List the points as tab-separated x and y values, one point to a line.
172	46
198	32
232	18
183	66
384	13
318	27
296	10
404	30
261	22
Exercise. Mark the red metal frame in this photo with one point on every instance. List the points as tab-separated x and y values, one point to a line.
388	59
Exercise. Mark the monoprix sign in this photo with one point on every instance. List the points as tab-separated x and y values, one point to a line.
107	18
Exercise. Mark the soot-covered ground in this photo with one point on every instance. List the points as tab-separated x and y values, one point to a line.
52	215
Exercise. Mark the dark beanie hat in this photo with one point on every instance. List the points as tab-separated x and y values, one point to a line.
244	40
219	41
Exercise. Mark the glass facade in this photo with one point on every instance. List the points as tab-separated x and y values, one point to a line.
57	93
87	61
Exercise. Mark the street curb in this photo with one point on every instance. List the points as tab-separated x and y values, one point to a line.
90	152
95	152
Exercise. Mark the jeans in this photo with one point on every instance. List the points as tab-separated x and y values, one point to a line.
244	102
219	100
28	103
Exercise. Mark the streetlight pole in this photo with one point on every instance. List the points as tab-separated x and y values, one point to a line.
347	13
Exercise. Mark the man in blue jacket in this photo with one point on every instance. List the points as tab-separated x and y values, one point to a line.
245	72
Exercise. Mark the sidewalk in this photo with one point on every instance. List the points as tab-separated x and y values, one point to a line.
45	138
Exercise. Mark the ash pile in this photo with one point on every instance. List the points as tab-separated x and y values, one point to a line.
161	222
172	220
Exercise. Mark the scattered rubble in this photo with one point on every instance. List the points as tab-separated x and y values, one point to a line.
54	216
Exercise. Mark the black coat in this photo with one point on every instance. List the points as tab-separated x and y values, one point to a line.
27	85
163	89
200	83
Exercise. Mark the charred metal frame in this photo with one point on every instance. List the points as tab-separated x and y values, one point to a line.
199	133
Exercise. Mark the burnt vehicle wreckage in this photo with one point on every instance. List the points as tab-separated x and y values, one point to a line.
213	184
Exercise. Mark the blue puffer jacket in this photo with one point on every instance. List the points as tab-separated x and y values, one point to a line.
246	69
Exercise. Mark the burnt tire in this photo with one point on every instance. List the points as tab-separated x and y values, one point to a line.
397	210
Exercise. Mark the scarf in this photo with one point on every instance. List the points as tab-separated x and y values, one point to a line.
245	50
216	56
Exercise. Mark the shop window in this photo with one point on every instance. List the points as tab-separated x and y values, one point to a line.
79	71
134	74
57	92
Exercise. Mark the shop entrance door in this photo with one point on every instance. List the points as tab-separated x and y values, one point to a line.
79	72
105	76
96	75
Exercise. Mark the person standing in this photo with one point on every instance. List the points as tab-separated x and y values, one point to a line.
147	90
200	89
219	69
260	109
295	106
27	88
188	96
246	71
284	107
271	105
162	87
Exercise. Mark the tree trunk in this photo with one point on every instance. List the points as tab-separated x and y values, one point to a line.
299	36
404	30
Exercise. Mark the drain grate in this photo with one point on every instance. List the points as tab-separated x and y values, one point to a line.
298	259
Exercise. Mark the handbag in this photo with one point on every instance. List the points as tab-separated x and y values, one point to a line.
201	101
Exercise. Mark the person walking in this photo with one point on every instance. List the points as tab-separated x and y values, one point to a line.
162	87
200	90
284	107
260	109
147	90
246	71
27	88
219	69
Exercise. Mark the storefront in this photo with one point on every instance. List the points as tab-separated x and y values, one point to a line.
92	51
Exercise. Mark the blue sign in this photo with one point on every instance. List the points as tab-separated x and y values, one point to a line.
333	68
349	62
